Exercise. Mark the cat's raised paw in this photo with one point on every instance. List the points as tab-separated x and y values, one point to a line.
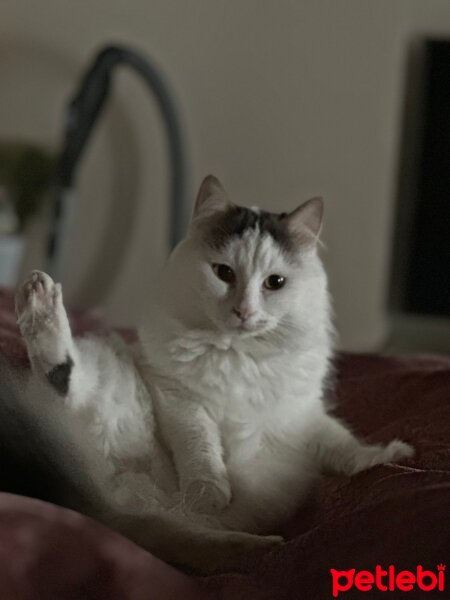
38	301
207	497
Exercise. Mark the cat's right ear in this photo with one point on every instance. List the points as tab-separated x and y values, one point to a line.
211	199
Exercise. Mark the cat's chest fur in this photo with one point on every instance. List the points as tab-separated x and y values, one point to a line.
223	371
249	389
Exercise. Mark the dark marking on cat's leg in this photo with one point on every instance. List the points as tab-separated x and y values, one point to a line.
45	327
59	376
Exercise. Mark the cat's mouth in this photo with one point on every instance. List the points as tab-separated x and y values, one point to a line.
252	327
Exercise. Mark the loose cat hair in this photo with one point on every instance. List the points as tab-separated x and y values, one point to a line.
216	422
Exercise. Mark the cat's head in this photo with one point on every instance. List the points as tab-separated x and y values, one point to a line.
252	269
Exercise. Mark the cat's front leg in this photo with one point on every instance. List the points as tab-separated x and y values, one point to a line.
339	450
195	442
44	325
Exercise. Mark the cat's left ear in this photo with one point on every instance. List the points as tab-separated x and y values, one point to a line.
305	222
211	199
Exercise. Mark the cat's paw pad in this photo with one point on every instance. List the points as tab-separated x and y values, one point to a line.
207	497
37	302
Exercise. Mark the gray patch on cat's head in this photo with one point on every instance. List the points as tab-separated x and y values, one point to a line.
234	222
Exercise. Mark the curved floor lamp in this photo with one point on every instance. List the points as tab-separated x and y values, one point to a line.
82	113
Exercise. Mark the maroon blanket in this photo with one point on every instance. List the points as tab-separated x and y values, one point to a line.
390	515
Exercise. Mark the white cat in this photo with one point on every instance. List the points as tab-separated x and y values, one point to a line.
219	422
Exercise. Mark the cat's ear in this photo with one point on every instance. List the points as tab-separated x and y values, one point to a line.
305	222
211	199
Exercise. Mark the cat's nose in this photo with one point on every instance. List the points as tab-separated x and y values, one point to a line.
243	313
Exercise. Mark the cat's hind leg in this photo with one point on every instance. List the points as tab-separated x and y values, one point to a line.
44	325
339	450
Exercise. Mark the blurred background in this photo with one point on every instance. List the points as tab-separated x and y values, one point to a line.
282	100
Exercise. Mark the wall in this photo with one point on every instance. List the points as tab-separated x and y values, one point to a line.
281	99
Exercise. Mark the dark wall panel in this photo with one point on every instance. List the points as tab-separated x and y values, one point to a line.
427	289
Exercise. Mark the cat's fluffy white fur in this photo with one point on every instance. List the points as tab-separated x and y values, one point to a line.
220	417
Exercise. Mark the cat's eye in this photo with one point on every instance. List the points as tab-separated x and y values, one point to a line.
224	272
274	282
